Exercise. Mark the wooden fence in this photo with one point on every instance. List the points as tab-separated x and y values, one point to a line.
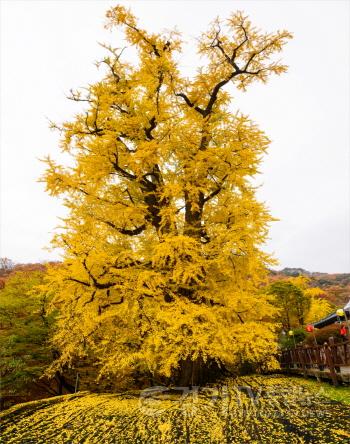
330	360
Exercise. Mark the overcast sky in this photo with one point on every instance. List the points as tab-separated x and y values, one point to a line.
48	47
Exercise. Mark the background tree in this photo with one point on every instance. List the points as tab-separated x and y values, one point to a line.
298	303
292	302
24	328
6	265
162	258
319	306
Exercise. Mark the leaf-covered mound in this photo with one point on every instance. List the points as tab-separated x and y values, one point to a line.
246	410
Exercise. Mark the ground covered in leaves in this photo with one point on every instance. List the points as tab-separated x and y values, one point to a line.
257	410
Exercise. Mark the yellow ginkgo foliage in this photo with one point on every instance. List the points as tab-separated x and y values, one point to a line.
162	241
319	307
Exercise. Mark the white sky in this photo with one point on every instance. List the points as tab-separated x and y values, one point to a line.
48	47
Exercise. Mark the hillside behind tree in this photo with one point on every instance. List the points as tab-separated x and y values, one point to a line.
336	285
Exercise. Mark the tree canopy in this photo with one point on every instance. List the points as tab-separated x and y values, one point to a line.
163	255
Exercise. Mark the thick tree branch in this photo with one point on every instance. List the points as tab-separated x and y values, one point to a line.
128	232
190	104
86	284
112	303
97	284
120	170
217	191
148	131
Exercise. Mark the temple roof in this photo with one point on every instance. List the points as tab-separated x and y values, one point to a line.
332	318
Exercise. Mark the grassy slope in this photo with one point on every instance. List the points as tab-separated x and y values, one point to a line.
340	394
273	410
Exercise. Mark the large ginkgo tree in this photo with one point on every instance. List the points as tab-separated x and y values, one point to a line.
163	258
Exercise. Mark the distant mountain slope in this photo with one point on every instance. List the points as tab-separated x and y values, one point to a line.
7	271
336	285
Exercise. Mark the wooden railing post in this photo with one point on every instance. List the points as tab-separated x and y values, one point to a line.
302	357
330	361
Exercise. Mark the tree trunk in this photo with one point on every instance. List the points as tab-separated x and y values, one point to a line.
185	377
62	383
197	372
